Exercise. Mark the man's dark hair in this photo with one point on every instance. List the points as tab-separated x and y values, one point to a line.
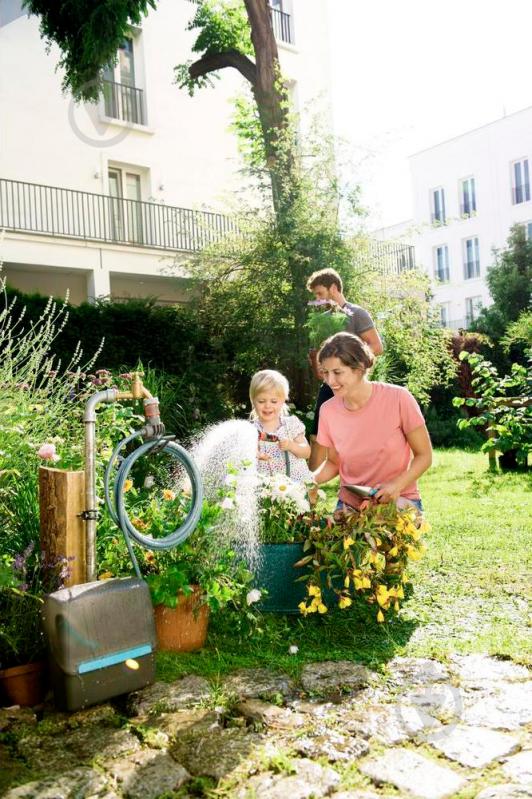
325	277
350	349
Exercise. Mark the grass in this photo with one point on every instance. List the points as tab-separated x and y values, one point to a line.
470	590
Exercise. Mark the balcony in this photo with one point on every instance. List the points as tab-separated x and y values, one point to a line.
52	211
282	26
124	102
392	258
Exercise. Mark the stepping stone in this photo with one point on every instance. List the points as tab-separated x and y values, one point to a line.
270	715
216	754
70	785
508	791
476	670
164	697
412	772
257	683
147	774
310	781
508	707
472	746
391	724
416	671
440	698
519	767
332	745
331	676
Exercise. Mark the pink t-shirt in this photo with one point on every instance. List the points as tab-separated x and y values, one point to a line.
371	441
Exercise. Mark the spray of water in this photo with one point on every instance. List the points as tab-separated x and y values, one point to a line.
232	443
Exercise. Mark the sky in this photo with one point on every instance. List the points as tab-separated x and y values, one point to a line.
408	74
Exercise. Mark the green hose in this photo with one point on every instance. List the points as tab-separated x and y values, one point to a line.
115	499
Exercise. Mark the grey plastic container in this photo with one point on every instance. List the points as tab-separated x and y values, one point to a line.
101	640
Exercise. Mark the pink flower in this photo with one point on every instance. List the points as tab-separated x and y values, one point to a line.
47	453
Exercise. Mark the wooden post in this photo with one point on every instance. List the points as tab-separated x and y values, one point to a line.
61	500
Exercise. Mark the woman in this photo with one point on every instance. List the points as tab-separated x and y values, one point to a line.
374	433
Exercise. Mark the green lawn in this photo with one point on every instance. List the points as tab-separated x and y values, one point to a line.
470	590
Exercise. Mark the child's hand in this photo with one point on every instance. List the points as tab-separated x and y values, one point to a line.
285	444
262	456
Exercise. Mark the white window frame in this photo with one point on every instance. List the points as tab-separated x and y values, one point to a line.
473	306
476	261
127	221
444	248
441	218
521	192
468	196
445	314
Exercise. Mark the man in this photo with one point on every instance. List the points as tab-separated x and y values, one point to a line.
326	284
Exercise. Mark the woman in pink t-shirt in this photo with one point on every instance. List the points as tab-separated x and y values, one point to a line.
375	433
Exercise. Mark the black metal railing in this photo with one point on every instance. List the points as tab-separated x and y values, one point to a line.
282	26
390	257
124	102
98	217
521	194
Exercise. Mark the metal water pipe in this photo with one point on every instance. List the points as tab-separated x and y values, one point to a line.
153	427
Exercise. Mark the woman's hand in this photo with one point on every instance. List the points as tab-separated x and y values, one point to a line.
285	445
388	492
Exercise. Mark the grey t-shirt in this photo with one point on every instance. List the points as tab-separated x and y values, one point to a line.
359	319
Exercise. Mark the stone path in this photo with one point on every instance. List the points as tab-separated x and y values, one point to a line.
422	729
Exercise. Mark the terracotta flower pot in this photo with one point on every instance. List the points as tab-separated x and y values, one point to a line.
183	628
316	368
24	685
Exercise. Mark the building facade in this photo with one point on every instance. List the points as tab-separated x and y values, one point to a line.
468	192
107	199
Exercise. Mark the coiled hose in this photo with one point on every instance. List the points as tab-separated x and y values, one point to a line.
114	497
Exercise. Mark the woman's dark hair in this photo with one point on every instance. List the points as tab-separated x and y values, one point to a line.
350	349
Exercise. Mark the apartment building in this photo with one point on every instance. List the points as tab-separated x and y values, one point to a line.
107	199
468	192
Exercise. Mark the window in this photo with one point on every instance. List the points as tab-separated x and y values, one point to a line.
438	206
125	206
282	20
520	182
445	314
441	263
468	198
122	98
473	306
528	230
471	258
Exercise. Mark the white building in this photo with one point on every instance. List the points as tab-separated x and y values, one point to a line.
467	194
102	199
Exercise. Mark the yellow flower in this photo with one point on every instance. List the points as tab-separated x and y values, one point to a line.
415	533
399	593
303	608
413	554
128	485
424	527
105	575
149	557
404	578
322	608
348	542
380	616
344	602
346	582
359	584
396	606
168	495
313	590
393	552
366	582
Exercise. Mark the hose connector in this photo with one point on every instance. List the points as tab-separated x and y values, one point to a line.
154	427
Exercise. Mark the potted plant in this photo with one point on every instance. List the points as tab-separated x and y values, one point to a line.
24	579
325	319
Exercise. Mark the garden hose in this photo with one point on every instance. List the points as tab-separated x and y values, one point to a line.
115	498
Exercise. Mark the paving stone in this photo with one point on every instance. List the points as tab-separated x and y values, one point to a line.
323	678
332	745
473	746
416	671
147	774
167	697
13	717
216	754
519	767
440	698
412	772
310	781
256	683
507	791
356	795
167	726
270	715
390	724
507	707
476	670
80	782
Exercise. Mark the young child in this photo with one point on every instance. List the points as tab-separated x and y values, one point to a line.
283	447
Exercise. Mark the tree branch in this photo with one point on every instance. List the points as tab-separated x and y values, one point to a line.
230	58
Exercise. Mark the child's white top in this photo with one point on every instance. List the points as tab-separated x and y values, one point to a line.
290	427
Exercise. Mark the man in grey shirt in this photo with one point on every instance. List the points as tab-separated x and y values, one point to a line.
327	285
